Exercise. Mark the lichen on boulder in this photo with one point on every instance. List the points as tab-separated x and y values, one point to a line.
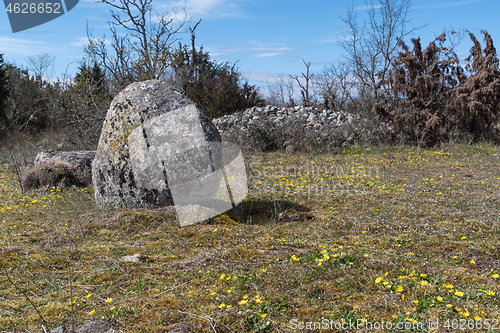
151	130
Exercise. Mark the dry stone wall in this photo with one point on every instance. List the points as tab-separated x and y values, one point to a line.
273	127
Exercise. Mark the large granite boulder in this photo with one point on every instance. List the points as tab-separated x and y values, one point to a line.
154	139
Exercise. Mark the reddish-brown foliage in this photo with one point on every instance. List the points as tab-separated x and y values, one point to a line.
476	100
431	98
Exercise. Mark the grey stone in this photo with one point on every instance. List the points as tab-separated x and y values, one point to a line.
60	169
290	149
149	143
80	161
60	329
179	328
97	327
317	127
137	258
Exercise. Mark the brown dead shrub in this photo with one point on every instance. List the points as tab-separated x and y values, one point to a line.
432	98
477	99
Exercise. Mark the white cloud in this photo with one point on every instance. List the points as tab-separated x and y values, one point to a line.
270	51
24	47
205	8
263	77
336	39
448	4
79	42
84	41
268	54
266	81
255	50
369	7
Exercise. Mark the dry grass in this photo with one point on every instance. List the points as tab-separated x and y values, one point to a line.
396	234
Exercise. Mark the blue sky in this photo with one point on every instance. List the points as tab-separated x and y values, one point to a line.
268	38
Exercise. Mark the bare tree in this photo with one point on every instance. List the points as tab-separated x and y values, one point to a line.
281	92
371	47
144	51
41	65
119	66
335	86
305	85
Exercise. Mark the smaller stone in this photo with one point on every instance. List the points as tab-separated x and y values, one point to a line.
291	215
81	161
97	327
179	328
137	258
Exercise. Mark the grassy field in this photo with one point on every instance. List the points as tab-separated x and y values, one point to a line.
397	235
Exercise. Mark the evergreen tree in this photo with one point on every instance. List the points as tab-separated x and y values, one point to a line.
29	102
90	80
4	90
214	87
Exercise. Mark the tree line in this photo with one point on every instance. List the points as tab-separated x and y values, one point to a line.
426	95
140	49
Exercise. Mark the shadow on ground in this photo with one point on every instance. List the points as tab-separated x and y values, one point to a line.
261	212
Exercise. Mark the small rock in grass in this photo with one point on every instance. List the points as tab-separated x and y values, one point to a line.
179	328
137	258
97	327
291	215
